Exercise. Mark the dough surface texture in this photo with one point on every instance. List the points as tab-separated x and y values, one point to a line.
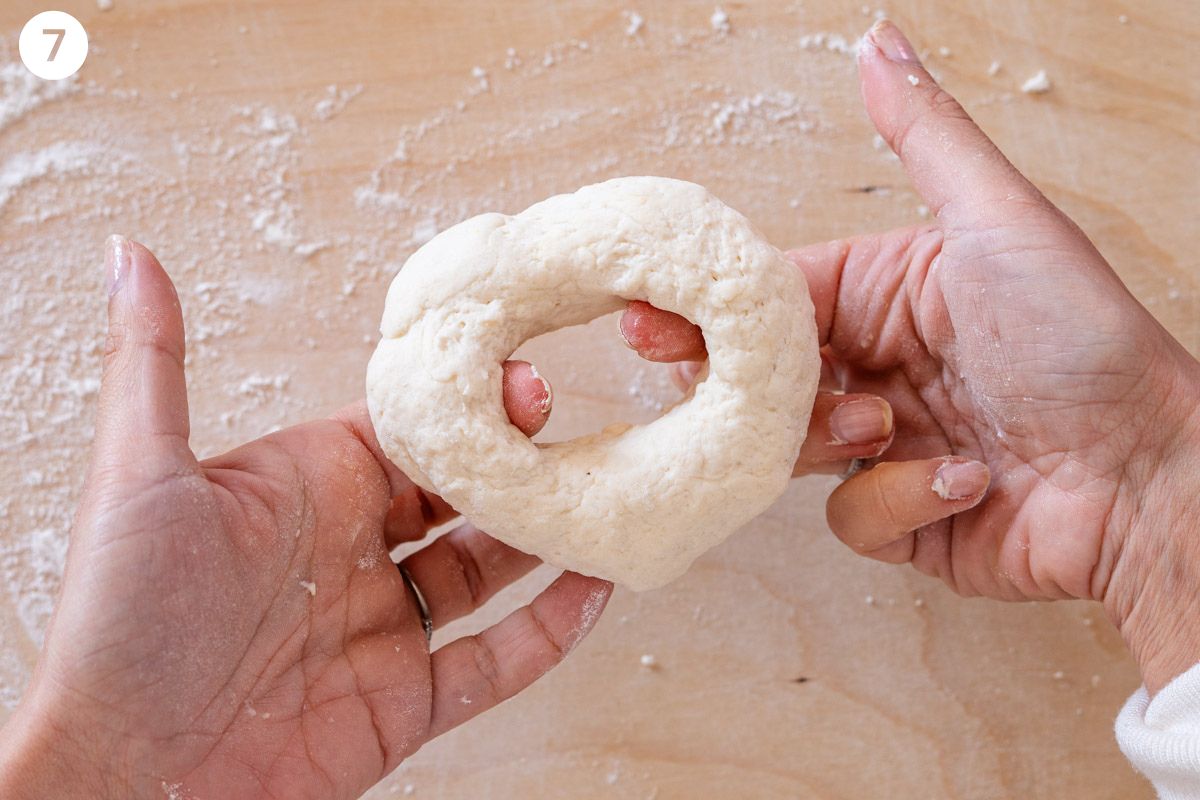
633	504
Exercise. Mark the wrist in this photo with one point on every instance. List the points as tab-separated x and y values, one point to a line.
1153	592
40	758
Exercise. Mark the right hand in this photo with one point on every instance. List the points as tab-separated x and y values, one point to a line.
1000	335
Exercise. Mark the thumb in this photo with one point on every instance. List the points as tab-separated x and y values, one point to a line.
142	418
955	167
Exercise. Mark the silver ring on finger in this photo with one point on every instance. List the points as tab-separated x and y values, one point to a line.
422	606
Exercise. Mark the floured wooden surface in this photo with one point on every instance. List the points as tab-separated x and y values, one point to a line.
284	158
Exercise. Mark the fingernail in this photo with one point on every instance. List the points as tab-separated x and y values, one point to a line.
959	480
621	330
892	43
548	400
116	262
861	421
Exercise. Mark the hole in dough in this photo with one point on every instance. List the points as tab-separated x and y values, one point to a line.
597	380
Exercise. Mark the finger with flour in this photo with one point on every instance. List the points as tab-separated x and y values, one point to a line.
876	511
527	396
476	673
844	427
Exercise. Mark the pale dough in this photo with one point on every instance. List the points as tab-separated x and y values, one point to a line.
635	504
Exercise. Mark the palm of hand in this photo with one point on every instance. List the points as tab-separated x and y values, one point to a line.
236	627
264	579
1005	348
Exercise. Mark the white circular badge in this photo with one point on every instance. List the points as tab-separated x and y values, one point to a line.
53	45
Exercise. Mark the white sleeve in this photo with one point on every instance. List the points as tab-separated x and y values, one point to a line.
1162	736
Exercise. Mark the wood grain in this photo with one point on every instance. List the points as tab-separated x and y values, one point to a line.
282	206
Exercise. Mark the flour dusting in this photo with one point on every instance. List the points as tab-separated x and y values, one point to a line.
56	160
588	614
22	92
1038	83
633	23
719	20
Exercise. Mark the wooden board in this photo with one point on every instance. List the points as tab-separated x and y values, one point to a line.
283	158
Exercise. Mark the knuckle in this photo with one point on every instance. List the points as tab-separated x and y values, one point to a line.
124	337
165	342
943	105
938	108
488	668
114	340
558	649
469	569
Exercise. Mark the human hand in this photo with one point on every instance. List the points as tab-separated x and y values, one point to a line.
1000	335
235	627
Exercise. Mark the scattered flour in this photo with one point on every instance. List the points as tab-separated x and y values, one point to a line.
833	42
22	92
56	160
258	385
719	20
760	118
480	74
633	23
1038	83
31	574
592	606
104	5
424	230
334	101
175	791
223	201
14	675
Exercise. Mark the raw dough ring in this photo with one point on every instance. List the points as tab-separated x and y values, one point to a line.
634	504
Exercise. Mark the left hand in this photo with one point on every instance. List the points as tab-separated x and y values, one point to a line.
235	627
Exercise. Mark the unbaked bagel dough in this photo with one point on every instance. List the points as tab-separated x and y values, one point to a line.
634	504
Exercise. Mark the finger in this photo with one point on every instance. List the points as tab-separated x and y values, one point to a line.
684	374
527	396
659	335
833	378
843	427
527	399
876	511
414	511
142	416
476	673
462	570
953	164
822	266
413	514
